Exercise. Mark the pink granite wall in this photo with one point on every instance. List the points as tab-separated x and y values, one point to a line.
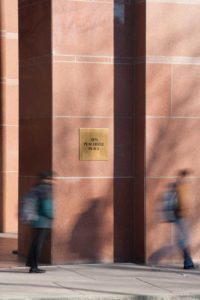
84	80
110	66
172	111
9	116
92	90
82	97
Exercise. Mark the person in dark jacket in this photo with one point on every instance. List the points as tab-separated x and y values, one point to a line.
43	191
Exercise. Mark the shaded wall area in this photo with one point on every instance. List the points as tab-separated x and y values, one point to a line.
35	100
129	131
172	115
9	116
139	212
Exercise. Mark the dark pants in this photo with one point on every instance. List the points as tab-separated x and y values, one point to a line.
183	240
36	247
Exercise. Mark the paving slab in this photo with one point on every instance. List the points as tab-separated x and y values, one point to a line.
100	281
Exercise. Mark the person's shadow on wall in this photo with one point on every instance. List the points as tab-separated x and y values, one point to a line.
87	239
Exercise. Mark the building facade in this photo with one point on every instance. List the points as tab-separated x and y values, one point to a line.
130	67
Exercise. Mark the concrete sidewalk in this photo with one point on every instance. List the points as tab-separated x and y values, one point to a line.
100	281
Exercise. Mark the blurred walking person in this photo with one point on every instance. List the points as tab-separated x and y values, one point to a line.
43	220
183	215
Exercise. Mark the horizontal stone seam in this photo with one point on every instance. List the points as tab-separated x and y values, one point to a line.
170	177
187	2
112	2
85	177
78	117
122	2
118	2
129	60
9	35
111	60
9	125
2	172
174	117
94	1
92	117
34	3
9	81
105	1
187	60
93	58
98	59
89	62
113	117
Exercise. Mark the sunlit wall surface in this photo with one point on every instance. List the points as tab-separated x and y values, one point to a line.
172	113
9	116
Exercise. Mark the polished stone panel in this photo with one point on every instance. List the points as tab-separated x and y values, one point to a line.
172	119
158	90
89	91
35	29
185	91
176	22
124	205
124	29
9	19
82	27
35	89
10	207
124	90
172	144
83	228
124	147
10	54
9	116
139	251
83	89
10	107
151	111
140	29
35	147
10	137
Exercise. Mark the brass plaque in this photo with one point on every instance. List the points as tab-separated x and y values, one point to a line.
93	143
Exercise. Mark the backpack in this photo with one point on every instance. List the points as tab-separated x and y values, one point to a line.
29	207
170	205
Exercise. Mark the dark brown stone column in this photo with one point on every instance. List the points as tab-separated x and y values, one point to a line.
35	99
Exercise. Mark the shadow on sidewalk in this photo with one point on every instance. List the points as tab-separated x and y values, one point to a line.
149	268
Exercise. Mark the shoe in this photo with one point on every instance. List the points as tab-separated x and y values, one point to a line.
36	270
189	267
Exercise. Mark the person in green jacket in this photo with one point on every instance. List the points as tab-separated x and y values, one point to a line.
43	191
